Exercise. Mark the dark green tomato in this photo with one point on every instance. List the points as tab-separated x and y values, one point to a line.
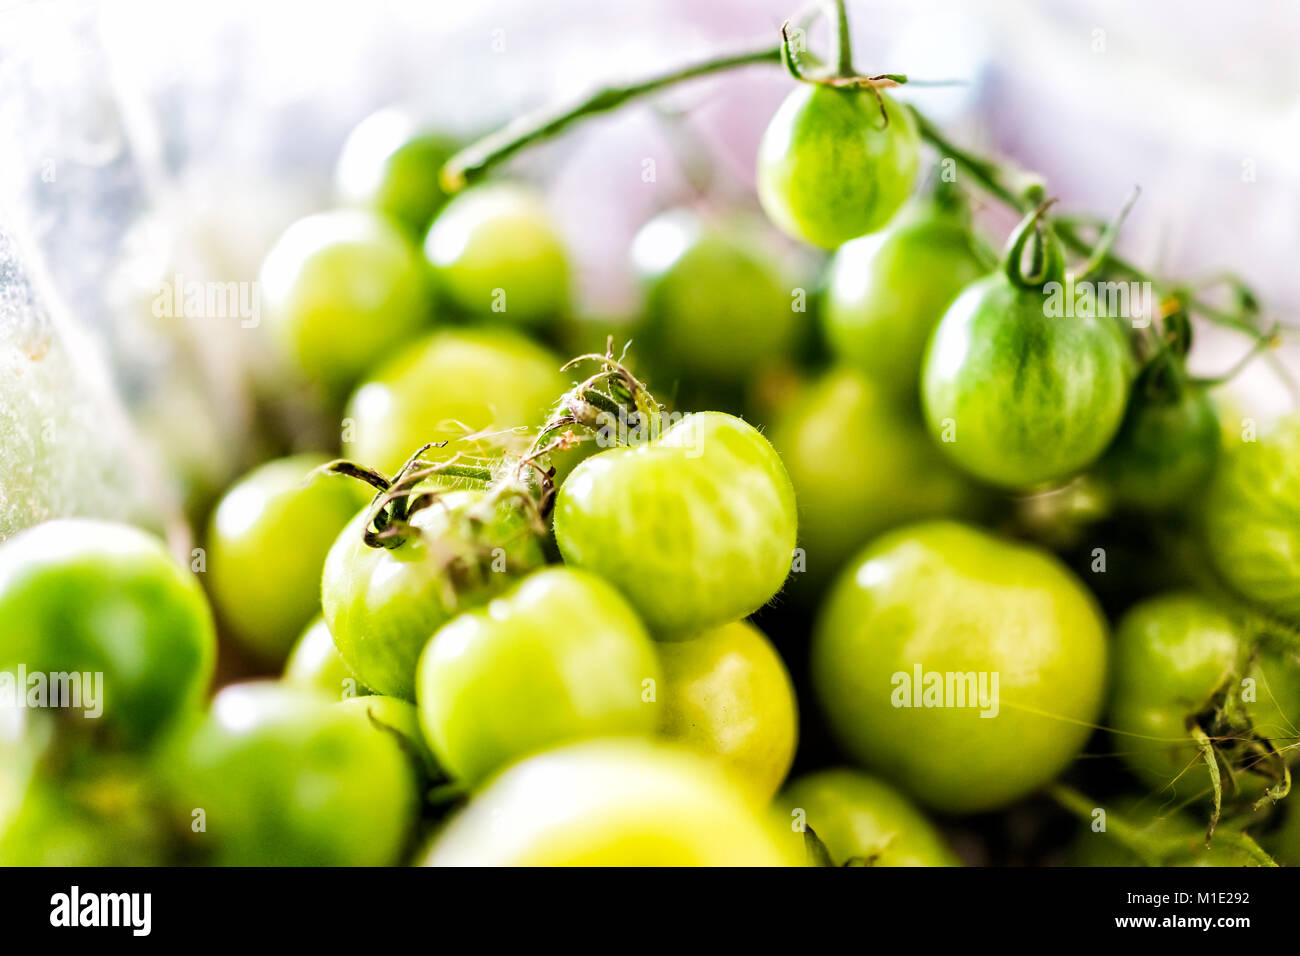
399	720
390	165
696	527
830	168
561	657
383	604
716	304
963	609
860	464
1253	520
286	778
267	541
339	290
860	820
885	294
314	663
496	253
446	386
1163	837
91	598
1179	659
1018	397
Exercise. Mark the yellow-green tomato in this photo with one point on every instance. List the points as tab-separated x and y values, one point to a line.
339	290
400	720
315	663
963	667
496	253
609	803
727	695
267	541
860	820
558	658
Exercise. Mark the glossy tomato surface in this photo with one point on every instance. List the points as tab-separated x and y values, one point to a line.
314	663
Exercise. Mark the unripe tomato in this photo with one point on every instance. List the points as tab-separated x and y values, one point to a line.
399	720
314	663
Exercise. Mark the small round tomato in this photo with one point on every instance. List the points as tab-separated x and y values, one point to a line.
314	662
495	252
1252	523
339	290
831	167
267	541
400	720
726	694
716	304
445	386
885	293
105	604
860	820
282	777
860	464
559	658
609	803
963	667
383	604
389	164
696	527
1179	660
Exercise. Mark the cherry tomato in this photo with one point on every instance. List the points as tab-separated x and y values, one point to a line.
832	168
726	694
89	597
860	820
445	386
267	541
933	627
274	776
696	527
383	604
609	803
1253	527
340	289
389	164
315	663
400	720
496	253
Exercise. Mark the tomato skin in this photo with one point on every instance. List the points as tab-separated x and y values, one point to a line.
727	695
696	527
827	170
81	595
1029	398
497	254
437	388
314	663
948	598
288	779
340	289
614	802
859	817
267	540
382	604
399	720
1252	526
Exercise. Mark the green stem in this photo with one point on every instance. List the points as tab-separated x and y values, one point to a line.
1140	844
843	42
1019	190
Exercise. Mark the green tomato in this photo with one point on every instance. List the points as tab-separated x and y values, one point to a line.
383	604
267	541
443	387
695	526
727	695
1252	523
1177	658
495	252
314	662
390	165
559	658
88	597
860	464
885	294
609	803
341	289
832	168
716	305
285	778
400	720
963	667
1018	397
860	819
